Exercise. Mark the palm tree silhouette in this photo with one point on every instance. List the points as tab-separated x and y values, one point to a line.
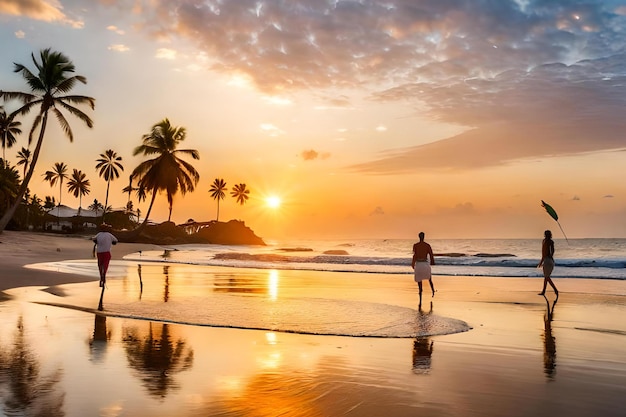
110	166
217	192
96	206
129	188
23	158
8	130
240	193
167	172
79	185
58	173
49	84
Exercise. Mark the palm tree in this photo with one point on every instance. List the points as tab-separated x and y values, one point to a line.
58	173
217	192
50	83
96	206
78	185
240	193
50	203
23	158
167	172
9	184
8	130
110	166
129	188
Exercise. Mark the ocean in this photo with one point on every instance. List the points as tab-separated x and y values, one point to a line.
576	258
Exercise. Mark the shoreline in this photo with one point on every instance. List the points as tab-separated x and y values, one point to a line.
18	249
524	354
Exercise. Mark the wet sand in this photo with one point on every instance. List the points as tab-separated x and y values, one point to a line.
524	356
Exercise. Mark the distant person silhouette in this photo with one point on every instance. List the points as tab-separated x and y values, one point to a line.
423	258
102	246
547	262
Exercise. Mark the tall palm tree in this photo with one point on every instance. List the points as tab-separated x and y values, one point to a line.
167	172
78	185
8	130
23	158
240	192
217	192
50	84
58	173
110	166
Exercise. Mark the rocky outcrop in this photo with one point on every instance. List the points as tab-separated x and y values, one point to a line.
234	232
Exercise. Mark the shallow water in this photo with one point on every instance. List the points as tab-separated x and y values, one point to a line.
285	301
68	361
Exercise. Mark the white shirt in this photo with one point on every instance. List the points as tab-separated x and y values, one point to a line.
104	240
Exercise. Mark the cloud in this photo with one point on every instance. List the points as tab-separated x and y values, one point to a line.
311	154
538	78
44	10
165	53
115	29
609	196
20	34
378	211
271	129
118	48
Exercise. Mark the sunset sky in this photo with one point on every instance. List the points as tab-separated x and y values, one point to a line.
368	119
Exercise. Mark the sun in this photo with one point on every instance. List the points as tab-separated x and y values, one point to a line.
273	202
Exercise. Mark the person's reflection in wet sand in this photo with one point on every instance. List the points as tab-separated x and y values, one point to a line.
140	281
422	345
100	338
549	342
166	289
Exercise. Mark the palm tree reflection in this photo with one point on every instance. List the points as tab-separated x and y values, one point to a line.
549	342
27	392
156	357
422	345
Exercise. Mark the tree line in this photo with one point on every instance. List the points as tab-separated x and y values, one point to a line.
51	82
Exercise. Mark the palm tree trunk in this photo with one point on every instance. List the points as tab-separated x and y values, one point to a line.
8	215
145	221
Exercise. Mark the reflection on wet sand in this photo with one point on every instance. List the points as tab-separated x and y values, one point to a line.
23	390
98	343
422	346
549	342
232	283
155	355
331	387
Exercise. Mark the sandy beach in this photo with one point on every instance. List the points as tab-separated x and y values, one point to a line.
521	355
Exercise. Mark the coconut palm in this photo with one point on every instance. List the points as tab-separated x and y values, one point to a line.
96	206
167	172
49	86
23	158
110	166
50	203
240	192
78	185
8	130
57	174
217	192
